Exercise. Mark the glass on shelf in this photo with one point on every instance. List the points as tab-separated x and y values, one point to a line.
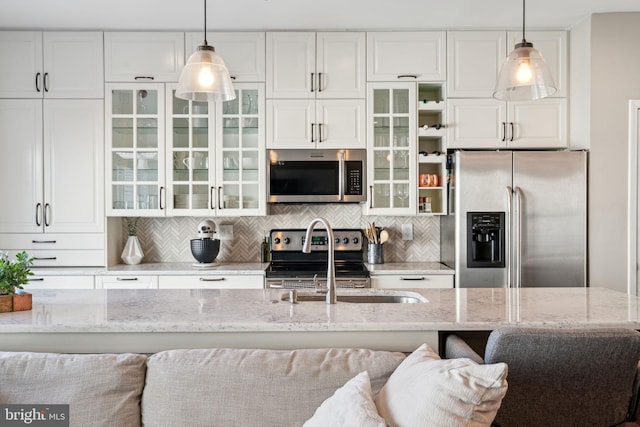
250	196
230	107
380	101
147	166
122	102
400	159
147	197
250	102
181	196
122	166
200	197
122	196
231	197
146	101
381	164
401	195
381	196
230	160
147	133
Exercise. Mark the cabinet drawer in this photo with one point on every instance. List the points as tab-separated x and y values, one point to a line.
28	242
64	258
60	282
393	281
126	281
212	281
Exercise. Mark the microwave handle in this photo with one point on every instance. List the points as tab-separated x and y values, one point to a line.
341	176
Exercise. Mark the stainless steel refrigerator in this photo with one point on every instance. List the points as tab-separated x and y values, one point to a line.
518	219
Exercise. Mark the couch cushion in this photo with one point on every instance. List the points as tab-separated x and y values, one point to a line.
427	391
101	390
239	387
351	405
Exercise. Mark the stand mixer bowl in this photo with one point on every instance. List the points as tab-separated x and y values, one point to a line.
205	250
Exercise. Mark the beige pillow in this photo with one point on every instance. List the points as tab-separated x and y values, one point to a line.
350	406
427	391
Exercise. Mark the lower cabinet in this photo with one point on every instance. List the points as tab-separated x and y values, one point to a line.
38	281
127	282
398	281
212	281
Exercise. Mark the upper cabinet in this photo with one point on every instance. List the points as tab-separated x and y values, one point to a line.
315	65
397	55
475	58
51	64
243	53
143	56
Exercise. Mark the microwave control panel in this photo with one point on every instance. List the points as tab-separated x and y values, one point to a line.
354	178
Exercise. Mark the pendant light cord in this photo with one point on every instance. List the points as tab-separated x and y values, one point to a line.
523	15
205	23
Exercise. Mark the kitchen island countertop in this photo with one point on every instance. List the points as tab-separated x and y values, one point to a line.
149	320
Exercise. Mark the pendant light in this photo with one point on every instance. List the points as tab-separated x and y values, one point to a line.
205	76
524	74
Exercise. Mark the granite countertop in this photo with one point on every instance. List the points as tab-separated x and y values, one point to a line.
148	320
427	267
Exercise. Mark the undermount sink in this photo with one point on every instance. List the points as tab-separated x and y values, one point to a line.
396	298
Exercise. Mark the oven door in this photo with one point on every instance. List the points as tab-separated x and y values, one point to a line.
315	176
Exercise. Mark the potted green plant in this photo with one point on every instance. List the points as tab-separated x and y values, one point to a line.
14	274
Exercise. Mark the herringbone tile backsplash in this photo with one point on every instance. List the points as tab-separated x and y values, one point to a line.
167	239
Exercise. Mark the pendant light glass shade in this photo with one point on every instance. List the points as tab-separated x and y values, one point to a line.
205	77
524	75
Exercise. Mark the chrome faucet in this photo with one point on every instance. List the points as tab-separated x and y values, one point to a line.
331	269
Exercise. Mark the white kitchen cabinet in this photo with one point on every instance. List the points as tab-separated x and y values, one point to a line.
126	281
243	52
391	150
408	281
311	65
475	58
135	149
51	166
212	281
51	64
419	56
489	123
57	249
39	281
143	56
326	124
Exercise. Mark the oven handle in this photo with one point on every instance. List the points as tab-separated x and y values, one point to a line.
341	176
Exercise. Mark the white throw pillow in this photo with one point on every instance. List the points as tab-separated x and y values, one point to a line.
350	406
427	391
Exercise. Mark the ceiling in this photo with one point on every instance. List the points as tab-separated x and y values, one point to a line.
300	14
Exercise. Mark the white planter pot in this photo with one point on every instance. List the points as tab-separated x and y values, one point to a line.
132	253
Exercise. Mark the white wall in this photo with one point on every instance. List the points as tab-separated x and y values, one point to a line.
579	76
615	79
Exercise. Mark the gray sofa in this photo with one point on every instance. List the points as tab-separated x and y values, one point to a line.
261	388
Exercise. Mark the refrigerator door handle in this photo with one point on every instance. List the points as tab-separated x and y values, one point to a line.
518	240
508	235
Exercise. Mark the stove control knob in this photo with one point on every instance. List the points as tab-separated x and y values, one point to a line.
287	240
276	240
337	240
345	240
355	240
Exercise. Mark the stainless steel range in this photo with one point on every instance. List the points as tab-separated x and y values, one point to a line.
290	268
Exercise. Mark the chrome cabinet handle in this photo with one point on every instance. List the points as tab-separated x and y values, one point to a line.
313	127
36	279
37	82
512	130
413	278
126	279
43	241
371	197
212	197
312	89
144	78
38	207
319	132
219	279
405	76
47	211
46	82
219	202
232	77
504	131
319	82
51	258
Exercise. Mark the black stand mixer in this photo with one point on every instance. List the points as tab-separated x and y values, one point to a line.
205	248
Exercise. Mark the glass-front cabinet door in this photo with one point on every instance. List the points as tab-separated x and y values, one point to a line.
391	136
240	152
135	141
190	156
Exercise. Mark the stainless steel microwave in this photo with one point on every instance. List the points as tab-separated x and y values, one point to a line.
316	176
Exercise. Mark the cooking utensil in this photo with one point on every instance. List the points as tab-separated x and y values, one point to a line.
384	236
374	233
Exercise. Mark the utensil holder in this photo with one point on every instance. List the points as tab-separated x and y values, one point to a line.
375	254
